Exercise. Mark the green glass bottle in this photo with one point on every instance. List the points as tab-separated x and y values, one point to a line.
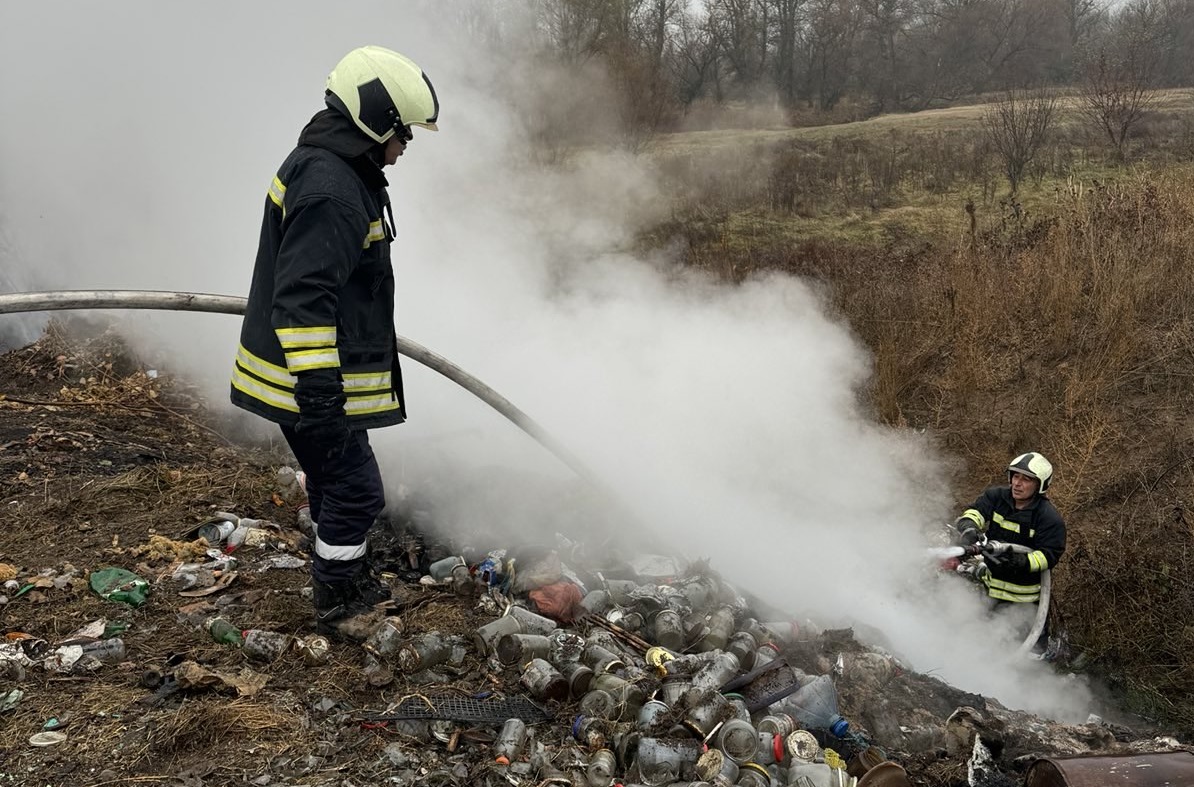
223	631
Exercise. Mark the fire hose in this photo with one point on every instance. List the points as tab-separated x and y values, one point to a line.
1042	611
11	303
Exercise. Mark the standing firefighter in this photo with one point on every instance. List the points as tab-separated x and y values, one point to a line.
318	349
1019	513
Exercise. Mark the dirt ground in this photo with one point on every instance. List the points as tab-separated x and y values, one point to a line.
103	464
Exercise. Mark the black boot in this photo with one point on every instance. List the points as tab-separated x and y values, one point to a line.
341	612
370	587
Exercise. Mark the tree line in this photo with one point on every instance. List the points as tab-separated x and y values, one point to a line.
877	55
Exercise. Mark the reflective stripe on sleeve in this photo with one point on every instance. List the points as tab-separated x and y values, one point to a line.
974	516
305	360
316	336
376	232
1037	561
277	191
339	551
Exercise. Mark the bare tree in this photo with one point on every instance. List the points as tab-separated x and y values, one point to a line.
1017	127
1118	75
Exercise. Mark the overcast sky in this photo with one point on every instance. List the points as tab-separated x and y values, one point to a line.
137	144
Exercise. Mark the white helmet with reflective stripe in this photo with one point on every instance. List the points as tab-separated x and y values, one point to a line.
1033	465
383	92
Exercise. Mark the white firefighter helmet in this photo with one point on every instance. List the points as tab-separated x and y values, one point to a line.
383	92
1033	465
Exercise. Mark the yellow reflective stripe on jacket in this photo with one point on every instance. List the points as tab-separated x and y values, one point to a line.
363	405
1005	596
1009	591
262	392
366	381
277	190
1006	524
376	232
1011	587
305	360
278	375
317	336
976	517
1037	561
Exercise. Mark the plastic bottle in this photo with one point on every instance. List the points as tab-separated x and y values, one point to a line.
106	651
815	706
223	631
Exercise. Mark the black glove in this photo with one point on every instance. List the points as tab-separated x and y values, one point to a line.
1016	561
969	537
319	394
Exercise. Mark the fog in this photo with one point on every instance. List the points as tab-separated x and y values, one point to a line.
137	143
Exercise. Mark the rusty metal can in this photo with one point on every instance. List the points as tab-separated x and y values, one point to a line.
485	638
601	659
386	638
780	724
602	767
628	694
738	740
715	763
802	746
660	761
315	650
600	704
544	681
564	647
650	714
668	627
579	678
510	741
743	645
423	652
530	622
265	645
721	669
518	649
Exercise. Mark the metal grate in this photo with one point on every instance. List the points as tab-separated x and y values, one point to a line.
453	707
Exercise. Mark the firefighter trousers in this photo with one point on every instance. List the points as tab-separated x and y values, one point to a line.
346	495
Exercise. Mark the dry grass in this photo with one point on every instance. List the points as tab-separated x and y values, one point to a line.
1066	326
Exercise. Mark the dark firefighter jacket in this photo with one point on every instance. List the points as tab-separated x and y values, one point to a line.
322	295
1038	526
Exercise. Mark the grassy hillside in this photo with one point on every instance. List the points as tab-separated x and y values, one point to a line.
1061	321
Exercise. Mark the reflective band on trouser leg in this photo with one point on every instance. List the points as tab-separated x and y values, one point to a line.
350	494
339	551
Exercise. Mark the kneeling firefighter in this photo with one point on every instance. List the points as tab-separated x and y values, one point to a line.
318	352
1018	513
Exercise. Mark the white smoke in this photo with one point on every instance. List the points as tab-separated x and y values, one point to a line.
137	145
